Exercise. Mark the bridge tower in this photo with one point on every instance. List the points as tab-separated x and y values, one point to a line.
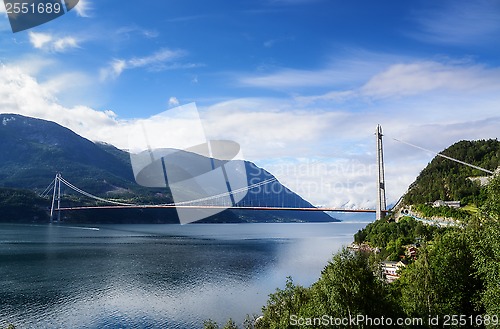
56	195
381	203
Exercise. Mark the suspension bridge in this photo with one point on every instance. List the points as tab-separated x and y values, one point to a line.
202	203
220	201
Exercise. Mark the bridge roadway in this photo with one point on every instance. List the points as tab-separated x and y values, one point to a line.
220	207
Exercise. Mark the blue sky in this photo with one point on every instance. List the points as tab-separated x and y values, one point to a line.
300	84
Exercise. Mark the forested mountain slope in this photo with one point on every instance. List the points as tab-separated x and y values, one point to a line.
447	180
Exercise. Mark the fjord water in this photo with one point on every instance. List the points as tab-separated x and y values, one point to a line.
154	276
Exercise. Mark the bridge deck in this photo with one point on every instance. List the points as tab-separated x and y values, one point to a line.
221	207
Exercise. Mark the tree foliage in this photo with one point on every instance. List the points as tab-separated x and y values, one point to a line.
491	207
441	281
484	233
347	287
392	236
444	179
22	206
441	212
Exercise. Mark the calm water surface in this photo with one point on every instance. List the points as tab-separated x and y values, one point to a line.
154	276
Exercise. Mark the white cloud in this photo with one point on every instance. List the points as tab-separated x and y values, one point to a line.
272	42
422	77
379	76
161	56
114	69
173	101
46	41
62	44
62	84
23	94
268	127
328	181
465	80
349	70
83	8
156	61
459	22
287	78
186	18
269	43
39	40
33	65
331	96
126	31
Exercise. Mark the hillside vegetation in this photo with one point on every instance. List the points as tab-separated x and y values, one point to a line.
447	180
22	206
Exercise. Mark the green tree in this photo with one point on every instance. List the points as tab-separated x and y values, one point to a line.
281	305
230	324
491	207
392	236
250	321
484	233
348	288
453	273
441	281
210	324
416	294
488	266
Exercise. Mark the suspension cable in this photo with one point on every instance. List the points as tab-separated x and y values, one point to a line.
445	156
93	196
73	187
267	181
48	189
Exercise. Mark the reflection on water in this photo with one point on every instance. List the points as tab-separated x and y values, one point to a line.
150	276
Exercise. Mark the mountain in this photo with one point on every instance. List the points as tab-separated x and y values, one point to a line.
447	180
22	205
33	151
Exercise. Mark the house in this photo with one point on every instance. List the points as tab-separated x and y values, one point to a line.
390	270
363	247
411	252
451	204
